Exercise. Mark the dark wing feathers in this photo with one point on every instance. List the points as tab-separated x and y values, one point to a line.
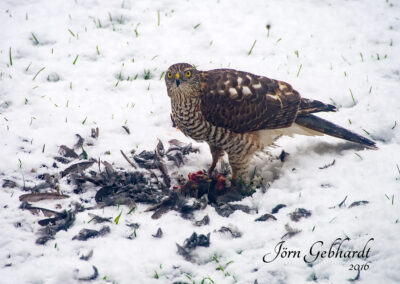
244	102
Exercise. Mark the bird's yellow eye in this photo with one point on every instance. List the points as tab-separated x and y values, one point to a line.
188	74
169	75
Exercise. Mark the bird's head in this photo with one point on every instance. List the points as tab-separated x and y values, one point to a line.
182	78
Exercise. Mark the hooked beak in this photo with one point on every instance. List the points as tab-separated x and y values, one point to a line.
177	81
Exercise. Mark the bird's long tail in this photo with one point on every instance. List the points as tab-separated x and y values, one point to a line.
306	119
318	124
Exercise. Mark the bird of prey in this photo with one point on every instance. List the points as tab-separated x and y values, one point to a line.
241	113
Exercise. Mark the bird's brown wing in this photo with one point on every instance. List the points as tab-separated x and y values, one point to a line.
244	102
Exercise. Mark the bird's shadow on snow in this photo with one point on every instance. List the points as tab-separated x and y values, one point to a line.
326	147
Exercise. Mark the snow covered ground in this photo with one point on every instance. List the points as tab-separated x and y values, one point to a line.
69	66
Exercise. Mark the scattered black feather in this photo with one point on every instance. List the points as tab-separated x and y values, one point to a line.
91	277
146	159
133	225
80	141
62	222
277	208
76	168
44	239
176	202
78	180
49	181
341	204
265	217
177	158
153	160
227	209
191	243
67	152
8	183
328	165
62	160
358	203
203	222
127	195
94	133
160	148
126	128
233	233
109	169
85	234
290	232
97	219
299	213
185	149
159	233
88	256
162	166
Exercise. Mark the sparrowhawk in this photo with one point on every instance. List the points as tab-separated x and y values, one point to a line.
241	113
